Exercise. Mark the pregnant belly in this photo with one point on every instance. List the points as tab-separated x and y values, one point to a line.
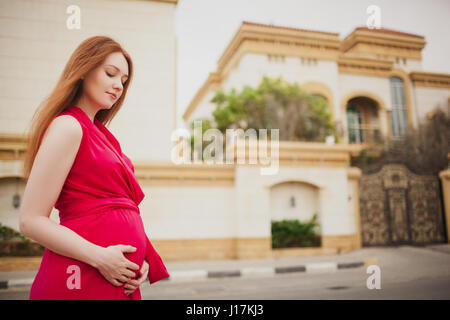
55	279
113	227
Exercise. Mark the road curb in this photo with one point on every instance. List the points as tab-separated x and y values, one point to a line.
322	267
191	275
16	283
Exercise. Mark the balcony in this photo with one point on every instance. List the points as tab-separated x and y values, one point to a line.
364	134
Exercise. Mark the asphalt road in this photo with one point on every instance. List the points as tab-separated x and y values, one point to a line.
404	273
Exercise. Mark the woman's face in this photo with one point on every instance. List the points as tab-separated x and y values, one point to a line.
103	86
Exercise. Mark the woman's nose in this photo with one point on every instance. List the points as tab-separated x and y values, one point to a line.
118	85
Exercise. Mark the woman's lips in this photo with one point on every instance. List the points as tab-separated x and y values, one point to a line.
112	95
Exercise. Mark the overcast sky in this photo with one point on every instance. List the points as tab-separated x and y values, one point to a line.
205	27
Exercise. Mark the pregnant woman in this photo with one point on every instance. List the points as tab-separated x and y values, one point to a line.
99	250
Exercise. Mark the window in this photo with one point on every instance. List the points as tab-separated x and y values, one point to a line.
398	115
363	123
355	124
276	58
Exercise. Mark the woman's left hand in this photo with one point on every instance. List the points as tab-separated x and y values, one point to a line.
133	284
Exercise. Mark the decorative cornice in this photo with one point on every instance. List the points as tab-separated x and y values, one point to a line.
430	79
362	65
384	42
12	146
300	153
390	31
248	23
276	35
168	1
168	173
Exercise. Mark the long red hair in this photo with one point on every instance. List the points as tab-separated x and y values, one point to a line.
89	55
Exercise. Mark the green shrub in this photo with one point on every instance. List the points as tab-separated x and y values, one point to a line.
7	233
293	233
13	243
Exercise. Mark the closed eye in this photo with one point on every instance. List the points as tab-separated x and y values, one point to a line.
111	75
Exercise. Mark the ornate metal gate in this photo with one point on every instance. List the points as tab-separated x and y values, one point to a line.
400	207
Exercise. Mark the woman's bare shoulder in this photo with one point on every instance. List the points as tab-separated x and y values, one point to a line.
65	127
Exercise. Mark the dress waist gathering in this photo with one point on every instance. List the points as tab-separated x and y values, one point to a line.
73	209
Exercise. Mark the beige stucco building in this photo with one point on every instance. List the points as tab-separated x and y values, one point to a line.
374	86
371	79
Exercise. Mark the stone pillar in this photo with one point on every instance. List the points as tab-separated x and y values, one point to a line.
353	174
445	178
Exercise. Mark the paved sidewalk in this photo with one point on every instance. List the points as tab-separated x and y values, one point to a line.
202	269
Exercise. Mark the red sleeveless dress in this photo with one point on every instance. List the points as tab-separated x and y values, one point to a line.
99	201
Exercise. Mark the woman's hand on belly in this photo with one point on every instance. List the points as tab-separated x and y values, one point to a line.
113	265
132	285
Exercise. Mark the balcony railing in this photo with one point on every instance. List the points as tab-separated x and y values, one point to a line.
364	134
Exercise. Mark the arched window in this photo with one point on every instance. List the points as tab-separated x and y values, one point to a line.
399	115
363	122
355	124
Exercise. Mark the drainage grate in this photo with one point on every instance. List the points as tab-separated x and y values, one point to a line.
338	288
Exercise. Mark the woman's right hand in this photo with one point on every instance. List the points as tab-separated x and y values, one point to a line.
113	265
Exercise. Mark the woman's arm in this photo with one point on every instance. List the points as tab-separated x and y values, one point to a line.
51	166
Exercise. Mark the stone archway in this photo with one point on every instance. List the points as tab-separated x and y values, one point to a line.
365	118
290	200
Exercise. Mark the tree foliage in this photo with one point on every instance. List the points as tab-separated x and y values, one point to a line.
423	150
274	104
